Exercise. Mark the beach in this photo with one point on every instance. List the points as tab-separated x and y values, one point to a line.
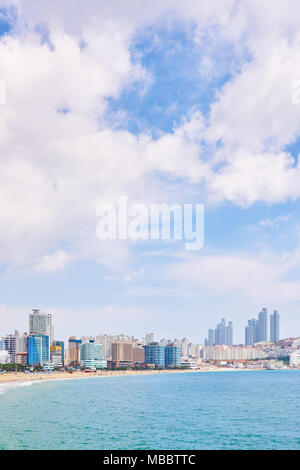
38	376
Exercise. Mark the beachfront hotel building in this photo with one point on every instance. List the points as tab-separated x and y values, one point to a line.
37	349
224	352
172	355
155	354
61	344
74	351
122	354
11	345
163	356
91	355
40	323
138	354
56	356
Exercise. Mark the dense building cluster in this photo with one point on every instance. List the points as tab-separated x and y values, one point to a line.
39	348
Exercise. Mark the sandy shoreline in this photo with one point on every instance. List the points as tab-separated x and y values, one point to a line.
22	377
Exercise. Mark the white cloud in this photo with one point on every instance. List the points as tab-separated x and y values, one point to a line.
265	277
57	167
54	262
275	222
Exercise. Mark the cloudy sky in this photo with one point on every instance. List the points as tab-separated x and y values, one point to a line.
162	101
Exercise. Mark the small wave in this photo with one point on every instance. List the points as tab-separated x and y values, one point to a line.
5	387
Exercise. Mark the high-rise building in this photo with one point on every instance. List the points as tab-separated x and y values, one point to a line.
40	323
106	341
61	344
172	355
149	338
257	330
122	354
56	356
37	349
211	340
249	335
155	354
11	345
74	351
229	334
14	344
91	355
138	354
184	347
223	334
274	326
262	326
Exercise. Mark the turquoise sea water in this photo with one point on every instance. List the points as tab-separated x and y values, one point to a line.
215	410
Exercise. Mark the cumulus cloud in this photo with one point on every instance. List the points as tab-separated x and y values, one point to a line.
60	158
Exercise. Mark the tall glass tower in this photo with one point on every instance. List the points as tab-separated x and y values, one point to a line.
274	326
263	325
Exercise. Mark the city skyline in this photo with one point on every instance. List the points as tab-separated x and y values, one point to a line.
39	348
265	328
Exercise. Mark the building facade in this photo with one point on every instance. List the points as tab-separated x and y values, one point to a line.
172	355
74	352
41	323
274	326
37	349
155	354
91	355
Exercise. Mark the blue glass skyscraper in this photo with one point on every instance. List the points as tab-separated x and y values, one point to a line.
173	355
37	349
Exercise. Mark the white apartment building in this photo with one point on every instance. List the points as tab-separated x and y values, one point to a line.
40	323
228	353
14	344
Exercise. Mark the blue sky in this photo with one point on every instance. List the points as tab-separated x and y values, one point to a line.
192	106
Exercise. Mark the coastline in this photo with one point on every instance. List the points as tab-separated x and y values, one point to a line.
11	377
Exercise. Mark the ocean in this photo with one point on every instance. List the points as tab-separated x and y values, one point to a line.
213	410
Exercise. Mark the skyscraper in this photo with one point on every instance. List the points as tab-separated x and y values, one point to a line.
74	352
223	334
274	326
229	334
211	341
184	347
257	330
262	325
249	334
11	344
37	349
40	323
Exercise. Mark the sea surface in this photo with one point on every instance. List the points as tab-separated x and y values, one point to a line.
213	410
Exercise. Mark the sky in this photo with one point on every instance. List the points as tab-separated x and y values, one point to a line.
164	102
